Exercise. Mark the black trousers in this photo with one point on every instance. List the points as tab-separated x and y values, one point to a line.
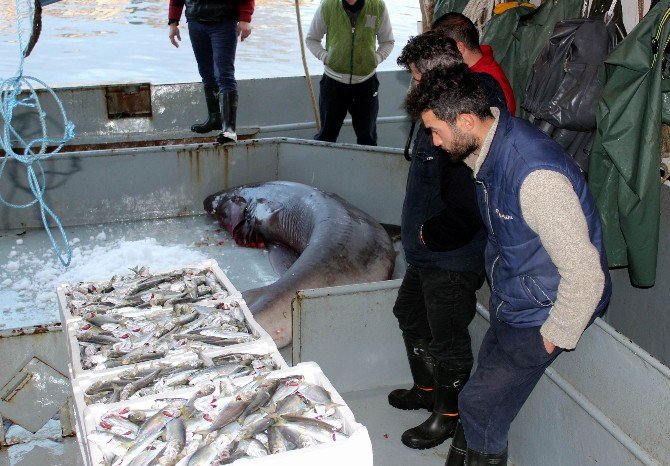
360	100
439	305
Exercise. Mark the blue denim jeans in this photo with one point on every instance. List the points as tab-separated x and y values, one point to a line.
438	305
214	44
510	363
360	100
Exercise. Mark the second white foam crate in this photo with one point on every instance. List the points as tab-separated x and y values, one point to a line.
70	331
355	450
67	316
80	384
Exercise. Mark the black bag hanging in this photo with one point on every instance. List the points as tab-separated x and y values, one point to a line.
563	88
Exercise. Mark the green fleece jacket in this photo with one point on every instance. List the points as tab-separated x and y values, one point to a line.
350	53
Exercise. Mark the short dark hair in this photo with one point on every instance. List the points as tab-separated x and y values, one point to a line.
430	50
458	27
448	92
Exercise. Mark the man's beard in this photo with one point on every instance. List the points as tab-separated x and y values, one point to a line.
462	146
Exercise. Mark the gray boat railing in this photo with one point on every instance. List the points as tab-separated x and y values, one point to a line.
133	112
572	418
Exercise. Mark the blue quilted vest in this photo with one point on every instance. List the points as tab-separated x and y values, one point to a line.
524	280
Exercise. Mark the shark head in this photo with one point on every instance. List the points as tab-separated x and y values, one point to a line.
228	207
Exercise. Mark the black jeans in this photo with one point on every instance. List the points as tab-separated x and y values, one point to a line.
214	44
438	305
510	363
361	100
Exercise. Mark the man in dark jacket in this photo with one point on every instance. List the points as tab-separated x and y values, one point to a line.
436	301
545	260
213	29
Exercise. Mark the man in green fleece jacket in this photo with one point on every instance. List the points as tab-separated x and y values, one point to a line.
351	55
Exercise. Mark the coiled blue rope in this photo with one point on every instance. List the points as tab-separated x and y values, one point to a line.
31	157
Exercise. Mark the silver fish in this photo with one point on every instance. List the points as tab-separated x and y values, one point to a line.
107	441
131	388
304	435
252	448
138	448
118	425
153	426
315	393
277	443
175	438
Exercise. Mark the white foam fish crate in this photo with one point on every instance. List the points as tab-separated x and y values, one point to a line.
81	439
354	450
81	384
70	331
64	302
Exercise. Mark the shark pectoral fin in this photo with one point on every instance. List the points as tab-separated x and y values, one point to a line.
251	296
281	257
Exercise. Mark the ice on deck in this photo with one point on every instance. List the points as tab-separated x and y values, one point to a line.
30	270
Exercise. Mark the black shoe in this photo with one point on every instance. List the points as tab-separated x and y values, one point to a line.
441	424
421	363
213	122
228	102
458	448
475	458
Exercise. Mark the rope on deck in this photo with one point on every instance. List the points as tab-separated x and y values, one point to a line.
30	156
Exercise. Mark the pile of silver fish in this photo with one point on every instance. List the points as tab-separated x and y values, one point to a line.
115	339
142	290
220	423
159	377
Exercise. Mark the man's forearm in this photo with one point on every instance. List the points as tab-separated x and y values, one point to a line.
384	38
551	208
317	30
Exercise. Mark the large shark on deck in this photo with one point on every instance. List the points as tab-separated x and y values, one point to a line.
315	239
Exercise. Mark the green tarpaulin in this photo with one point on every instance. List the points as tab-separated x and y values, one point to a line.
626	155
445	6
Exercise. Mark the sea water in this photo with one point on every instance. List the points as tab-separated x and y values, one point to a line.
111	41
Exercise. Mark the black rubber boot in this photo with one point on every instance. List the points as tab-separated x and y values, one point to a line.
228	101
213	122
458	448
442	422
421	363
475	458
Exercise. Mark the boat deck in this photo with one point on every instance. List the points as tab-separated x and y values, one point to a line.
385	426
106	249
43	452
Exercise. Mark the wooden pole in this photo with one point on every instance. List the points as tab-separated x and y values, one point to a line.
312	96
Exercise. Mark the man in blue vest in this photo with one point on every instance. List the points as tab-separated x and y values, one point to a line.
545	260
351	55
